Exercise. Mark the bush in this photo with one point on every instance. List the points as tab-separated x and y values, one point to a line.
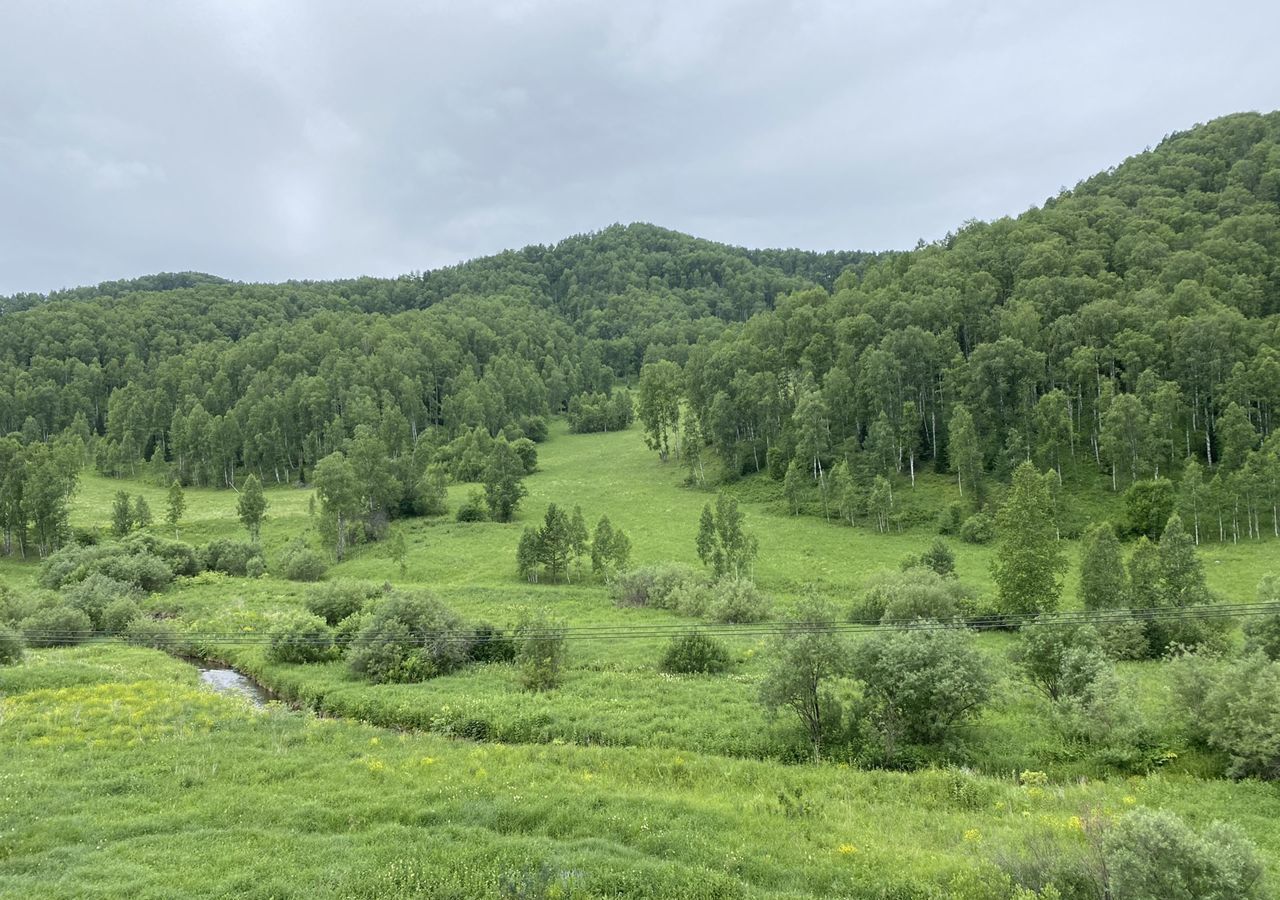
119	614
182	558
951	520
345	631
143	570
68	564
1233	707
93	595
938	558
1262	633
229	557
474	509
255	567
1124	639
979	528
157	634
409	637
339	599
299	562
1062	661
57	626
11	647
695	652
1152	854
301	640
918	593
737	601
540	651
1147	507
491	644
655	585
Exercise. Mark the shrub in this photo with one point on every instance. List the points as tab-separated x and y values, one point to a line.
229	557
57	625
737	601
1063	662
1124	639
540	651
938	558
951	519
920	684
408	637
474	509
70	563
301	640
143	570
1147	507
93	595
491	644
917	593
1152	854
11	647
299	562
655	585
1262	634
182	558
340	599
345	631
979	528
119	614
1233	707
157	634
695	652
256	567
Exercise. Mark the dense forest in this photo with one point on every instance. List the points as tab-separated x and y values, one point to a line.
1131	325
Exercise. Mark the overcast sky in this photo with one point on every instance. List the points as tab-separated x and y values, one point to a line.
272	140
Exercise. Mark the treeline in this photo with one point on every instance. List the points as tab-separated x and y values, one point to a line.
1128	326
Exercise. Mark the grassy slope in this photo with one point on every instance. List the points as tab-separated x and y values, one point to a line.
614	693
120	777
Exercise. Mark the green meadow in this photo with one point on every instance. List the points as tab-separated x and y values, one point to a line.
123	775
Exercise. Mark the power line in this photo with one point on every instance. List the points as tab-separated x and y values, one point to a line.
615	632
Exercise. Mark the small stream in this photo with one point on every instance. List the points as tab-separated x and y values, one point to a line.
228	681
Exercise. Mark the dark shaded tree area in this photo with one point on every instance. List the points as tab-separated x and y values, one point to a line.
1127	326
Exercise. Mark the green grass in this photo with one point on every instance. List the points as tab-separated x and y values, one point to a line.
107	746
138	783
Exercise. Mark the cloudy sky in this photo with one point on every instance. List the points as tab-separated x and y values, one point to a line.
275	139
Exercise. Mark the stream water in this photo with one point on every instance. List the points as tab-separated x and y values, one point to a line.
229	681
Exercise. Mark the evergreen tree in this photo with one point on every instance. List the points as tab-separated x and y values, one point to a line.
175	506
252	507
1103	584
1029	563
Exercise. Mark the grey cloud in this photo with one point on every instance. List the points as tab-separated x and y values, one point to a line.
265	141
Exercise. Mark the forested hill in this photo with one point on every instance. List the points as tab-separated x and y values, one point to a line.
1131	323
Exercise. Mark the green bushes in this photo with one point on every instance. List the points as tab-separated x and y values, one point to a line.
1151	854
339	599
157	634
301	640
229	557
655	585
130	562
56	626
93	595
182	558
1262	633
695	653
540	651
474	509
12	646
1233	707
737	601
119	615
408	637
299	562
491	644
916	593
979	528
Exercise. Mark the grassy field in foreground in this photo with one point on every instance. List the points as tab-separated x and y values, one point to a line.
121	777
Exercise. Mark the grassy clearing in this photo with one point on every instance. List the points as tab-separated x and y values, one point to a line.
137	782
